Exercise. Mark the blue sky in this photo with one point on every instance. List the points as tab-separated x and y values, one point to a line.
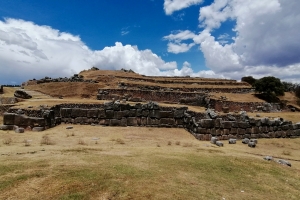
207	38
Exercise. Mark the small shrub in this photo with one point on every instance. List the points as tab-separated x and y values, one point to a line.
46	140
120	141
177	143
7	141
158	145
169	143
68	135
82	142
73	134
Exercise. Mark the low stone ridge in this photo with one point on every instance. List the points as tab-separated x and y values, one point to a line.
202	125
74	78
22	94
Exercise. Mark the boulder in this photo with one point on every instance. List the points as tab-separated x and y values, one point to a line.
219	143
19	130
245	140
251	144
284	162
268	158
232	141
213	140
38	129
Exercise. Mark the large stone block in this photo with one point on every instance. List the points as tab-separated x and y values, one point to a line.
65	112
166	114
101	113
218	122
285	127
104	122
123	121
9	118
22	120
233	131
78	112
109	114
154	114
241	131
226	124
132	113
167	121
92	113
179	121
179	113
243	125
145	113
119	114
115	122
201	130
132	121
38	122
226	131
207	123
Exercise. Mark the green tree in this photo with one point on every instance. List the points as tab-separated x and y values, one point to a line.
270	86
249	79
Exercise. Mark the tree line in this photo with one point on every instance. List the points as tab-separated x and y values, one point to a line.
270	87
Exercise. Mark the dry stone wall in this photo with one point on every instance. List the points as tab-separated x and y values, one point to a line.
239	128
219	105
202	125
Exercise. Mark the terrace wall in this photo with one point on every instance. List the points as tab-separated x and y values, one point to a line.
151	114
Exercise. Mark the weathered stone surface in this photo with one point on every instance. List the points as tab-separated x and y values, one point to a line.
226	131
219	143
119	114
115	122
201	130
154	114
284	162
179	113
232	141
109	114
104	122
166	114
101	113
213	140
268	158
207	123
38	129
167	121
132	121
19	130
21	120
92	113
251	144
226	124
243	125
218	122
123	121
241	131
9	118
254	140
245	140
65	112
6	127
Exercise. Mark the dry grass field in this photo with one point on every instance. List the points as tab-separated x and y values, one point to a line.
94	162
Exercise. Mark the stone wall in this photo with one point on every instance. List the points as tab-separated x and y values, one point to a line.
1	89
246	106
204	129
189	98
8	100
202	125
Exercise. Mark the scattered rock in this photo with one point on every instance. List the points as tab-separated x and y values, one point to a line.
284	162
268	158
213	140
38	129
253	140
245	140
232	141
19	130
219	143
69	127
251	144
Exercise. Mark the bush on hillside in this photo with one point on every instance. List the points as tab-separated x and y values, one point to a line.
249	79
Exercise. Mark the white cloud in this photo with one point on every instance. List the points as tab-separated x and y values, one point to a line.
30	51
179	47
171	6
267	38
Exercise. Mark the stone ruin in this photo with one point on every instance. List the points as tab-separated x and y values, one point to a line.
1	89
22	94
203	126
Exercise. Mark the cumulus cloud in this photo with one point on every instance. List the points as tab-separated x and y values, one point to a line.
28	50
171	6
266	41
